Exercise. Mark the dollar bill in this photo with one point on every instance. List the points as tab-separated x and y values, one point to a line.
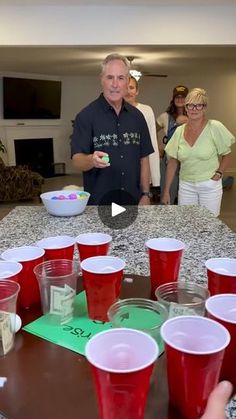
67	307
56	296
6	333
62	301
179	310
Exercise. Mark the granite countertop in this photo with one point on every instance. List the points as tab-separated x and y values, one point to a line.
204	235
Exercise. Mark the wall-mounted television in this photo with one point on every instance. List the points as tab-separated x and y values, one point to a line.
31	98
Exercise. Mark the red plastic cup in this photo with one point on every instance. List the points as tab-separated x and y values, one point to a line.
195	349
102	277
222	308
164	260
122	361
10	270
29	257
93	244
221	273
58	247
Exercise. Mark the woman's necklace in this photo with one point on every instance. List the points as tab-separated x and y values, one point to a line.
192	132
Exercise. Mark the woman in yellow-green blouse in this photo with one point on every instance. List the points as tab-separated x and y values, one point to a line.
203	148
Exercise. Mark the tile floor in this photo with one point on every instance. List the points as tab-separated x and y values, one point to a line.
228	209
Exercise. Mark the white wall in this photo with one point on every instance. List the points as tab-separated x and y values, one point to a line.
77	92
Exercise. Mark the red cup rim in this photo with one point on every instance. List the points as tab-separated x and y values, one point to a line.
97	258
219	297
212	269
125	330
42	245
188	351
13	259
17	265
107	239
150	244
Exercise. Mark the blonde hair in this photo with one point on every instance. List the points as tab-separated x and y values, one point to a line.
113	57
197	95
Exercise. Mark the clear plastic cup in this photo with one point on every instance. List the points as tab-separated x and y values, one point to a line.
93	244
194	347
122	362
8	297
164	259
182	298
140	314
57	282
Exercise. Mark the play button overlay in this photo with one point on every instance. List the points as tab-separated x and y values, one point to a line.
118	209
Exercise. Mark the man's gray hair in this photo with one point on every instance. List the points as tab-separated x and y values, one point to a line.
113	57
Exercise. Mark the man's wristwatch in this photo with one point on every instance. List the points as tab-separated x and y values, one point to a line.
149	194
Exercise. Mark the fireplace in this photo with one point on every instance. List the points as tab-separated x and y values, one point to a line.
37	153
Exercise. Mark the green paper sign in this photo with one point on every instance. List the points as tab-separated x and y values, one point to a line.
73	335
76	333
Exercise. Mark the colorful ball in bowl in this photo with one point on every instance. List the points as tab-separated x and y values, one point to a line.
65	203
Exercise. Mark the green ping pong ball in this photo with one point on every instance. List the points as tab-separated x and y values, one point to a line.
105	158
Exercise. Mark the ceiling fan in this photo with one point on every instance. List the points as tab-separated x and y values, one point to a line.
136	73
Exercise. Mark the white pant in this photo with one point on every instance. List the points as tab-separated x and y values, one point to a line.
207	193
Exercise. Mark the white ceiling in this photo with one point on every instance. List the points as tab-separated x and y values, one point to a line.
85	60
73	61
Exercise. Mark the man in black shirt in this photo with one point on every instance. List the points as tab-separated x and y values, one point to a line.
110	127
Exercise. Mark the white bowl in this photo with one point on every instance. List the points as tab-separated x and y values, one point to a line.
65	207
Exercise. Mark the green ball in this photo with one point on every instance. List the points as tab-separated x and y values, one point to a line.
106	159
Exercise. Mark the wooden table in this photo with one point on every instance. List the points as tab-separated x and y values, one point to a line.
46	381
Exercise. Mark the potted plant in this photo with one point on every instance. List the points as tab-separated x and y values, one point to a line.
2	150
2	147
